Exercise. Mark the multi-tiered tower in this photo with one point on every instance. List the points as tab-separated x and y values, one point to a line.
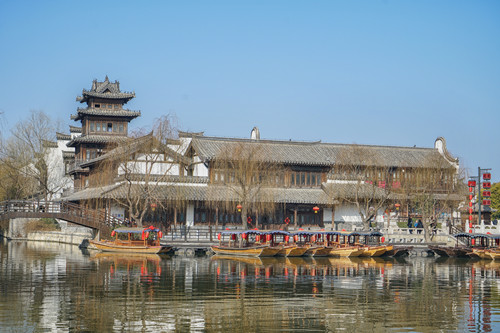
104	125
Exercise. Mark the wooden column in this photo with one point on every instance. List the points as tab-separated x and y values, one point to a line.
295	218
333	217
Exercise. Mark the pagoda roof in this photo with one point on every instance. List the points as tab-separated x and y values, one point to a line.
122	113
105	90
100	139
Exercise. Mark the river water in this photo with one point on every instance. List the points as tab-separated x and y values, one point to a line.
58	288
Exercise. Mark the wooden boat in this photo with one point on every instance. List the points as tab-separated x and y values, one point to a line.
398	251
321	251
250	251
249	243
133	240
292	251
493	254
374	251
450	251
348	251
480	253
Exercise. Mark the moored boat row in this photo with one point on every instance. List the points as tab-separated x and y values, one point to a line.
257	243
480	246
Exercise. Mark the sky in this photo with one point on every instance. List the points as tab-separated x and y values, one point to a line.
391	72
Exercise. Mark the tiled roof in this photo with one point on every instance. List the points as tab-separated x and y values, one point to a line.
132	146
75	129
313	153
62	136
105	90
105	113
97	139
68	154
49	144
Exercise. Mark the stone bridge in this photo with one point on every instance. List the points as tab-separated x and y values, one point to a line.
98	220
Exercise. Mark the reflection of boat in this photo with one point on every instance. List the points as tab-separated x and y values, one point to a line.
256	261
493	254
138	240
481	253
126	258
251	251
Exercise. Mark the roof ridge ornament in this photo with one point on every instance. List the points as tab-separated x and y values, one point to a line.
255	134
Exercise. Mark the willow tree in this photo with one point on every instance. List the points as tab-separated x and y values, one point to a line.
26	158
432	188
144	171
242	176
362	178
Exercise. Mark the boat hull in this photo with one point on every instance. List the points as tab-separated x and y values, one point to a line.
123	248
345	252
374	251
448	251
256	251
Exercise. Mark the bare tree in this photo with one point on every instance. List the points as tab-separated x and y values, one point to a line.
26	156
433	188
145	168
241	176
361	177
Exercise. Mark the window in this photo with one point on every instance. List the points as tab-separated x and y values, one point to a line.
91	126
98	127
115	128
110	106
121	128
88	155
110	127
97	106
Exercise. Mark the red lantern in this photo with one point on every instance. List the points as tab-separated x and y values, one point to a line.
257	238
313	238
160	234
472	183
287	238
296	238
487	176
239	207
471	189
218	236
486	185
233	236
382	239
244	236
268	237
316	209
486	202
486	193
113	233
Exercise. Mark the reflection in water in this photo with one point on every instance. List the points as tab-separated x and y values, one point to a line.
54	287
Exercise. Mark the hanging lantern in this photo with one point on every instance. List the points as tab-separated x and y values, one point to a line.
487	185
316	209
239	207
487	176
472	183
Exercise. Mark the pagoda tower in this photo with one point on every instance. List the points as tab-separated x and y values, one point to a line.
104	124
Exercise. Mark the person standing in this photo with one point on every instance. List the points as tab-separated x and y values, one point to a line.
410	225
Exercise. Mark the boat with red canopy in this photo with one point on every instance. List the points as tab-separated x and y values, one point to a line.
251	243
133	240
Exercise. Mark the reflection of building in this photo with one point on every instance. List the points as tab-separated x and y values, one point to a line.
196	191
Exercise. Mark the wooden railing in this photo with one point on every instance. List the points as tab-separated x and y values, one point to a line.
96	219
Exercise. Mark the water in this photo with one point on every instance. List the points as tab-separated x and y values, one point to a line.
57	288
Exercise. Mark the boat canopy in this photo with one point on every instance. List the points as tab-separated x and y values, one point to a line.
474	236
135	230
366	233
239	232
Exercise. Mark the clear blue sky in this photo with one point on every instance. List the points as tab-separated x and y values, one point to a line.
389	72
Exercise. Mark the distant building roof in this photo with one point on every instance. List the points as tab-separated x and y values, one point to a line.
62	136
313	153
75	129
105	90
